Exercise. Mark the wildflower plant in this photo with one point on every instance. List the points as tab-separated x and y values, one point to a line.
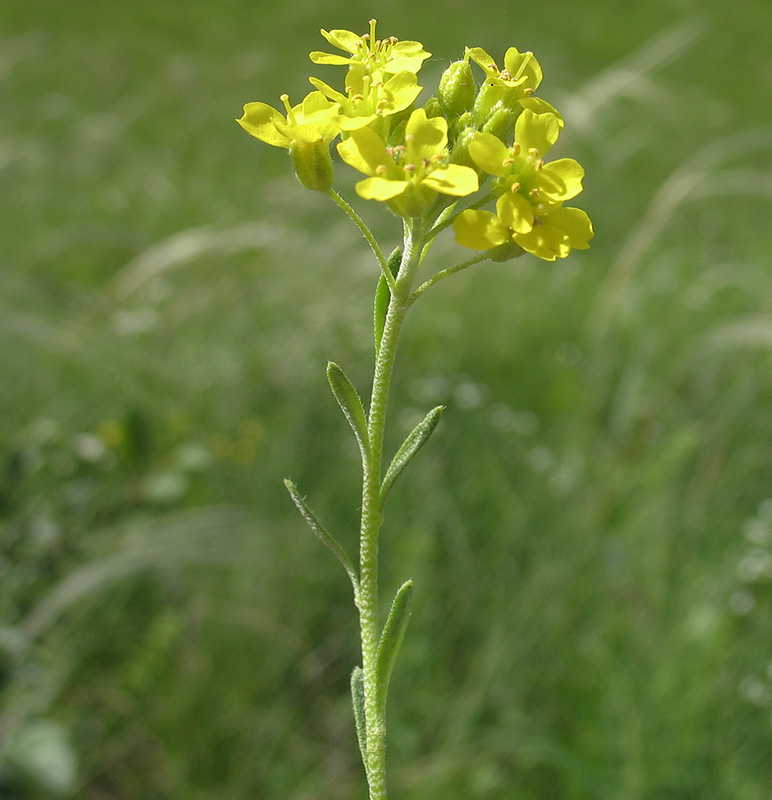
481	140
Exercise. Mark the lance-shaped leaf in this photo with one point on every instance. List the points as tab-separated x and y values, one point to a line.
350	403
383	296
319	530
358	701
391	639
414	442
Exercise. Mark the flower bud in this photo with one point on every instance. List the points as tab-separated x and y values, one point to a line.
312	164
432	108
459	153
457	89
500	122
486	99
506	252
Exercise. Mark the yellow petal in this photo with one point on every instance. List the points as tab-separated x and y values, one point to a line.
343	40
264	123
380	188
544	241
515	212
479	230
453	179
536	131
523	66
328	58
424	137
562	178
489	153
364	150
574	223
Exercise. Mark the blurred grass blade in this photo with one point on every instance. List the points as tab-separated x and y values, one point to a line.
317	528
391	639
383	296
414	442
358	701
350	403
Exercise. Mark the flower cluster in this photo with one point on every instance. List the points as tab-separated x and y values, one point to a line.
421	161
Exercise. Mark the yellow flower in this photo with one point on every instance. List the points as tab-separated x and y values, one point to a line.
306	132
531	193
369	97
390	56
511	87
311	121
520	170
551	236
408	177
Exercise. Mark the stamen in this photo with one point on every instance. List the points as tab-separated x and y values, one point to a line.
409	167
507	162
515	187
533	151
381	169
527	56
528	91
539	164
516	149
426	162
535	193
437	157
288	108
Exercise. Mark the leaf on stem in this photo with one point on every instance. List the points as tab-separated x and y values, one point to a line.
383	296
391	639
325	537
358	701
414	442
350	403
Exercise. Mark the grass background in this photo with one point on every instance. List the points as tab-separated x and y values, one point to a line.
589	531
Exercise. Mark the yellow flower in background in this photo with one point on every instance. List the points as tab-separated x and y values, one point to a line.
390	56
408	177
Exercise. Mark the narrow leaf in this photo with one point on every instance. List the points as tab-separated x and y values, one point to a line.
358	701
326	538
350	403
383	296
391	639
414	442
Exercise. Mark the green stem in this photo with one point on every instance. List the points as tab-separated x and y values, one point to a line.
372	509
443	273
367	233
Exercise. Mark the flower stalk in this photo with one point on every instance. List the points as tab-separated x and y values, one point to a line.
425	165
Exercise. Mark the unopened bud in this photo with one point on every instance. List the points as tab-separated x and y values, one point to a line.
501	123
432	108
457	89
312	164
506	252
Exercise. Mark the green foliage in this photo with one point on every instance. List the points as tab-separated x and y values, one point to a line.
588	534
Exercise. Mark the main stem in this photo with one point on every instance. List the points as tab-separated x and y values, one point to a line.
372	510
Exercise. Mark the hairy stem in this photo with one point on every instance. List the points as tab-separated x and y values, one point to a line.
372	509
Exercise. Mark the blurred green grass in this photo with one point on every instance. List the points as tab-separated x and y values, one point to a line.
589	532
